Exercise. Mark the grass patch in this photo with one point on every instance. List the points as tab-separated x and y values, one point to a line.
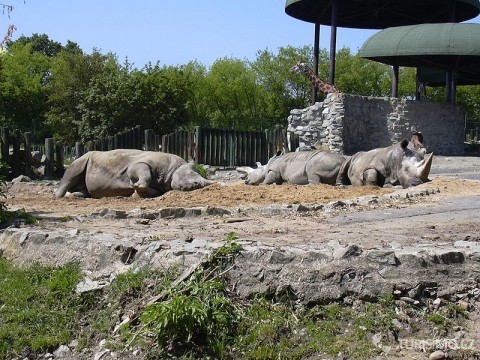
201	170
37	307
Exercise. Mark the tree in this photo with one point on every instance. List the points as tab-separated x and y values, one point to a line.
119	98
71	74
355	75
23	76
40	43
285	90
232	95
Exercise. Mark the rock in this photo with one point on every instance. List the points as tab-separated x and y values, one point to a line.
172	213
113	214
21	178
213	210
62	351
465	305
347	252
437	355
382	257
88	285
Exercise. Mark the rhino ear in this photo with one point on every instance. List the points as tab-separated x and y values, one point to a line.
404	143
244	169
259	164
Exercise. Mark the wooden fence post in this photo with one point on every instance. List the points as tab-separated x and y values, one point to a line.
49	155
5	148
79	149
16	153
59	159
28	137
197	145
117	141
149	140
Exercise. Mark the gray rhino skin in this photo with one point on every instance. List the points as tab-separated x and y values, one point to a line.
124	172
394	165
301	168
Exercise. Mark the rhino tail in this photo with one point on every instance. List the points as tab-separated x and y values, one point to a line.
342	177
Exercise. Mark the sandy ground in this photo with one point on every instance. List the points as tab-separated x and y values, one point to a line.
453	209
448	175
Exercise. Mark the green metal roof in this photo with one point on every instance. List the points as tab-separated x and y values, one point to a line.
381	14
436	46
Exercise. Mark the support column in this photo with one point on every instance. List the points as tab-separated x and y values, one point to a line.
395	81
333	42
316	56
448	86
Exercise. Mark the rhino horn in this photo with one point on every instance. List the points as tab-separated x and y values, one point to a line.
424	169
244	169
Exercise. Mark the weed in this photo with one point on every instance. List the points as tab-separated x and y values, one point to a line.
197	317
201	170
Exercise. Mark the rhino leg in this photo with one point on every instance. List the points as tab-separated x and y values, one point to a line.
78	194
373	177
73	180
273	177
140	176
185	178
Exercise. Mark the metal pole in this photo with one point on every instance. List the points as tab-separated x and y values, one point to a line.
316	55
333	42
395	81
448	86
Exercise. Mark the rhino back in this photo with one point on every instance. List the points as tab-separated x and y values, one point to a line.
304	167
107	171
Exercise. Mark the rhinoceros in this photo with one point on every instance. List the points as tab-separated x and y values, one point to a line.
124	172
394	165
301	168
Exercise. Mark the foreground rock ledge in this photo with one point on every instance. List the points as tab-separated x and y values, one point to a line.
311	274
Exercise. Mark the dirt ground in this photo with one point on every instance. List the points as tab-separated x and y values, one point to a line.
451	209
230	191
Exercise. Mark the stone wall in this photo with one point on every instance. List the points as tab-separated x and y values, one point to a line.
348	123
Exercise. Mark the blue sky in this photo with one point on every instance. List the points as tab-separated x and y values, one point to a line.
172	32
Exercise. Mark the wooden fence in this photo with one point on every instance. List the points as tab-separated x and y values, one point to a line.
472	135
216	147
229	148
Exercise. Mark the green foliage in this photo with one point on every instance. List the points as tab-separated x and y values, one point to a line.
444	317
50	89
355	75
268	329
72	72
37	307
197	317
23	76
39	43
199	168
284	90
103	310
7	216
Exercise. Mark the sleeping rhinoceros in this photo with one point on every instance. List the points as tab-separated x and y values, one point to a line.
301	168
124	172
394	165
